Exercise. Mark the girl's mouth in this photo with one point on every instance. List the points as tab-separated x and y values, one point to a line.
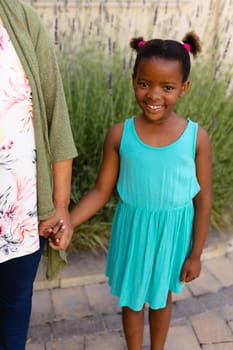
155	106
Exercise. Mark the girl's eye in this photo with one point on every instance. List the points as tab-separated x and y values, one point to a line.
142	84
168	88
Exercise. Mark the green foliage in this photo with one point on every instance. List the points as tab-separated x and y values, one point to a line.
99	94
210	103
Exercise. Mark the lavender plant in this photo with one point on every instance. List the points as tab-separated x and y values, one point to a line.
99	94
96	71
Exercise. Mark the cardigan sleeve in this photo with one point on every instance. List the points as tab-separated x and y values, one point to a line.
59	129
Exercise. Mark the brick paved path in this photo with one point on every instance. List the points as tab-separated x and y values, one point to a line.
86	316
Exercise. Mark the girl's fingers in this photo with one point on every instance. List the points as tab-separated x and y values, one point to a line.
183	278
57	235
59	226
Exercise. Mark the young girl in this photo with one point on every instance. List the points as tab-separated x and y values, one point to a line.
161	164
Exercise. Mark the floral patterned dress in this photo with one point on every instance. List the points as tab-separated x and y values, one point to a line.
18	196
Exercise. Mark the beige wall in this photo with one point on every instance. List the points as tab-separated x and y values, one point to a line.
75	20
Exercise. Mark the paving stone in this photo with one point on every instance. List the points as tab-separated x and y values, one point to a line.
104	341
191	306
205	283
179	322
42	309
184	295
221	346
70	303
213	300
216	300
146	336
86	325
227	312
35	347
177	311
82	280
221	268
146	315
182	338
36	333
100	299
74	343
211	328
228	294
87	317
230	255
113	322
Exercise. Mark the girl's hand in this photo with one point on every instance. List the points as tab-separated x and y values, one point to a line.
191	269
57	229
54	233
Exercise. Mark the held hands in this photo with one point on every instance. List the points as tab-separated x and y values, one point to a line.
191	269
58	231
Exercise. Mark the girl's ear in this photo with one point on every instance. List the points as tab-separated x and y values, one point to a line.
185	88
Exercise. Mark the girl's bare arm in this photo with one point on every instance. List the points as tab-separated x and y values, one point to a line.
202	206
99	195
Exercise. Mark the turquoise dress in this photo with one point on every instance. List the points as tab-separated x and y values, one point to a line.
153	223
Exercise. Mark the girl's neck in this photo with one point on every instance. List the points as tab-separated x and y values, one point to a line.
159	133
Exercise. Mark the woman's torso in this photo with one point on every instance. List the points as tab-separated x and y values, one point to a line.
18	194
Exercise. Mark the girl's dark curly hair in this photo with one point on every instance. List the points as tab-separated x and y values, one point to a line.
167	49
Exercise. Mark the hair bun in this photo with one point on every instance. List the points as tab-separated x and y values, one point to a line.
193	40
137	43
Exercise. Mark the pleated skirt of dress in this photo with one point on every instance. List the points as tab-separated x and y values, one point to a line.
146	254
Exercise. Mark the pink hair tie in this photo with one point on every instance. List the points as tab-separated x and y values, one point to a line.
141	44
187	47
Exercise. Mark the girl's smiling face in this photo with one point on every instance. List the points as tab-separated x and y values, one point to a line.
157	85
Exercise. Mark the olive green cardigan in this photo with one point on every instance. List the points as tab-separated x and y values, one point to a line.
53	135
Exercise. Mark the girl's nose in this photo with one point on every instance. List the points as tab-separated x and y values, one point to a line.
154	93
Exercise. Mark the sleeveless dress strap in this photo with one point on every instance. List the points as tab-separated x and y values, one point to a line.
194	129
126	127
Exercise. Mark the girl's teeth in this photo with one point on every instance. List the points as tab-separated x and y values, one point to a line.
154	107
